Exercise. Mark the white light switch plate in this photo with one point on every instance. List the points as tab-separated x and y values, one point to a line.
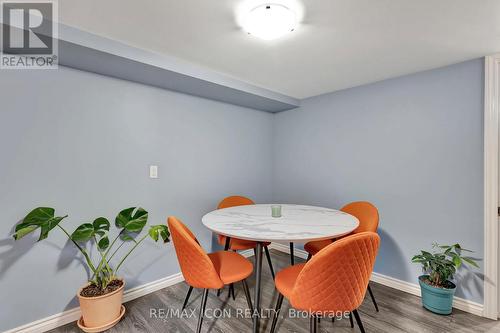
153	171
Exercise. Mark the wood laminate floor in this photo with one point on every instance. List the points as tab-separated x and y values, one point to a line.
399	312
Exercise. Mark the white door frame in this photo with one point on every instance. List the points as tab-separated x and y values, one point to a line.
491	138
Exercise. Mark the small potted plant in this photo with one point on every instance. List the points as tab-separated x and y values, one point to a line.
439	268
101	298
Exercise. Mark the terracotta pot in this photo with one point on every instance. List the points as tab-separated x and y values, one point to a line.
101	310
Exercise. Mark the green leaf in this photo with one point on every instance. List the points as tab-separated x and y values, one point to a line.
153	233
103	243
457	261
40	217
127	238
101	224
123	217
465	250
24	231
83	233
470	261
160	230
49	225
132	219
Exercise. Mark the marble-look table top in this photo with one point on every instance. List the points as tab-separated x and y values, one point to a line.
298	223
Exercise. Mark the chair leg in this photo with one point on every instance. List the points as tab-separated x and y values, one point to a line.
277	310
231	291
247	294
202	310
373	298
268	256
358	321
350	319
292	256
313	324
187	297
219	291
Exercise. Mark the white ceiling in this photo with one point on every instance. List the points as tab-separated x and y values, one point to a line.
339	43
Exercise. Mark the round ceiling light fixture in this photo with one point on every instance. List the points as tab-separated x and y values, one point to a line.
270	21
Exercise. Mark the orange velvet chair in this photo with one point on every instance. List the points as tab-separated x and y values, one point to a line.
207	271
333	281
368	217
241	244
235	244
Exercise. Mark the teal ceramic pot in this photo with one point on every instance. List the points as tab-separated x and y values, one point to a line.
437	300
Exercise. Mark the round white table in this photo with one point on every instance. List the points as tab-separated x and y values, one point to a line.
298	223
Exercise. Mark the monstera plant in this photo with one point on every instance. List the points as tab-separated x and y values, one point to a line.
104	282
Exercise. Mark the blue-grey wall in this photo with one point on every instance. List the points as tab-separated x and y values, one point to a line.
83	143
412	145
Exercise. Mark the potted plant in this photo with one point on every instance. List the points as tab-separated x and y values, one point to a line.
101	298
439	268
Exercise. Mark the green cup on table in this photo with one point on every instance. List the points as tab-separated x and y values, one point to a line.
276	210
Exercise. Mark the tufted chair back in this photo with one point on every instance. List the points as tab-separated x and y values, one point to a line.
235	200
336	278
196	266
366	213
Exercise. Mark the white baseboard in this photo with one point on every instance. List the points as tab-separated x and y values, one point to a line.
66	317
69	316
286	249
48	323
411	288
246	253
151	287
414	289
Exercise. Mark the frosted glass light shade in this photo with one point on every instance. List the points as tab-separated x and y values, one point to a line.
270	21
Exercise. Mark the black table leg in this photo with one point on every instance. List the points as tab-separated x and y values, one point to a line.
258	273
226	247
292	255
228	242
